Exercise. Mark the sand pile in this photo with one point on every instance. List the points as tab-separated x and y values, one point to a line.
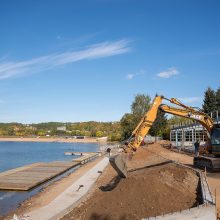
151	191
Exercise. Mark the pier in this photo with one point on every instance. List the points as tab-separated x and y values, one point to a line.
27	177
86	158
68	153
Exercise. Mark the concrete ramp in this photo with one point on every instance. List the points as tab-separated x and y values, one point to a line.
68	199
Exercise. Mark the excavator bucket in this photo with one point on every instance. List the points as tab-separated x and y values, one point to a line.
119	164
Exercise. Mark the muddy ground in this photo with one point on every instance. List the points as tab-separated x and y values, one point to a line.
154	186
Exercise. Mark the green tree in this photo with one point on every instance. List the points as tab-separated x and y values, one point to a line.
114	136
99	134
129	121
140	106
41	133
127	125
10	131
209	103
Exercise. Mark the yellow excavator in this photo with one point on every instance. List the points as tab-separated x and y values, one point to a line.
209	160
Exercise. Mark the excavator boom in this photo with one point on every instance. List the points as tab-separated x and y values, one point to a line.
145	124
119	163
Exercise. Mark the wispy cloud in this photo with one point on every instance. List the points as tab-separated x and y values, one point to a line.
190	99
130	76
106	49
168	73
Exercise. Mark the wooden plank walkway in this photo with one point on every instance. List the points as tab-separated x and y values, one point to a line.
80	153
86	158
28	177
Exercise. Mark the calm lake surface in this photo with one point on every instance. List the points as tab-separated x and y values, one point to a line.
16	154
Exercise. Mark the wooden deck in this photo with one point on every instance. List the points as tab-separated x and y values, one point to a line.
28	177
80	153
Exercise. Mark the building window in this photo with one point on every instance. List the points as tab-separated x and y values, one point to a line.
173	136
188	135
199	135
179	136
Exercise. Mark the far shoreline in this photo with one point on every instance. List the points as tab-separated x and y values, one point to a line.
53	139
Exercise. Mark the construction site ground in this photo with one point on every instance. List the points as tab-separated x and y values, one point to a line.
154	187
161	186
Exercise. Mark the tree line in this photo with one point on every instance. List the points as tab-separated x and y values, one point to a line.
90	129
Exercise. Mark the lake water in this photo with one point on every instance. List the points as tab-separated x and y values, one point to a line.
16	154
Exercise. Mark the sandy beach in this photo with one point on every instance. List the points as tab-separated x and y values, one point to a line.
53	139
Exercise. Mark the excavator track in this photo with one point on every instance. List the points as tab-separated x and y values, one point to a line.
211	163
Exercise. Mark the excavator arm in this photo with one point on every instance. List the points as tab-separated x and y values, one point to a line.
188	112
142	129
202	118
147	121
144	125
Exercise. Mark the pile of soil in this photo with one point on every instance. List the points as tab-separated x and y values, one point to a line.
146	192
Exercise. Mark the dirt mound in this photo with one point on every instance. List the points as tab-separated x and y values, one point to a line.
151	191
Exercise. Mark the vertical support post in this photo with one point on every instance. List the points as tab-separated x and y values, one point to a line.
183	138
171	135
193	139
176	137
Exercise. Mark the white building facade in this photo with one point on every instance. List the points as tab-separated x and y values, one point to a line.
185	135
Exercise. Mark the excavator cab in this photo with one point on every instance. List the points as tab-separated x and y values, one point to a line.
215	140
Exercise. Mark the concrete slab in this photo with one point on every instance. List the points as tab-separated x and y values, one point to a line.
206	192
69	198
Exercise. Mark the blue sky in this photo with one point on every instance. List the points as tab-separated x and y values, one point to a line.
86	60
